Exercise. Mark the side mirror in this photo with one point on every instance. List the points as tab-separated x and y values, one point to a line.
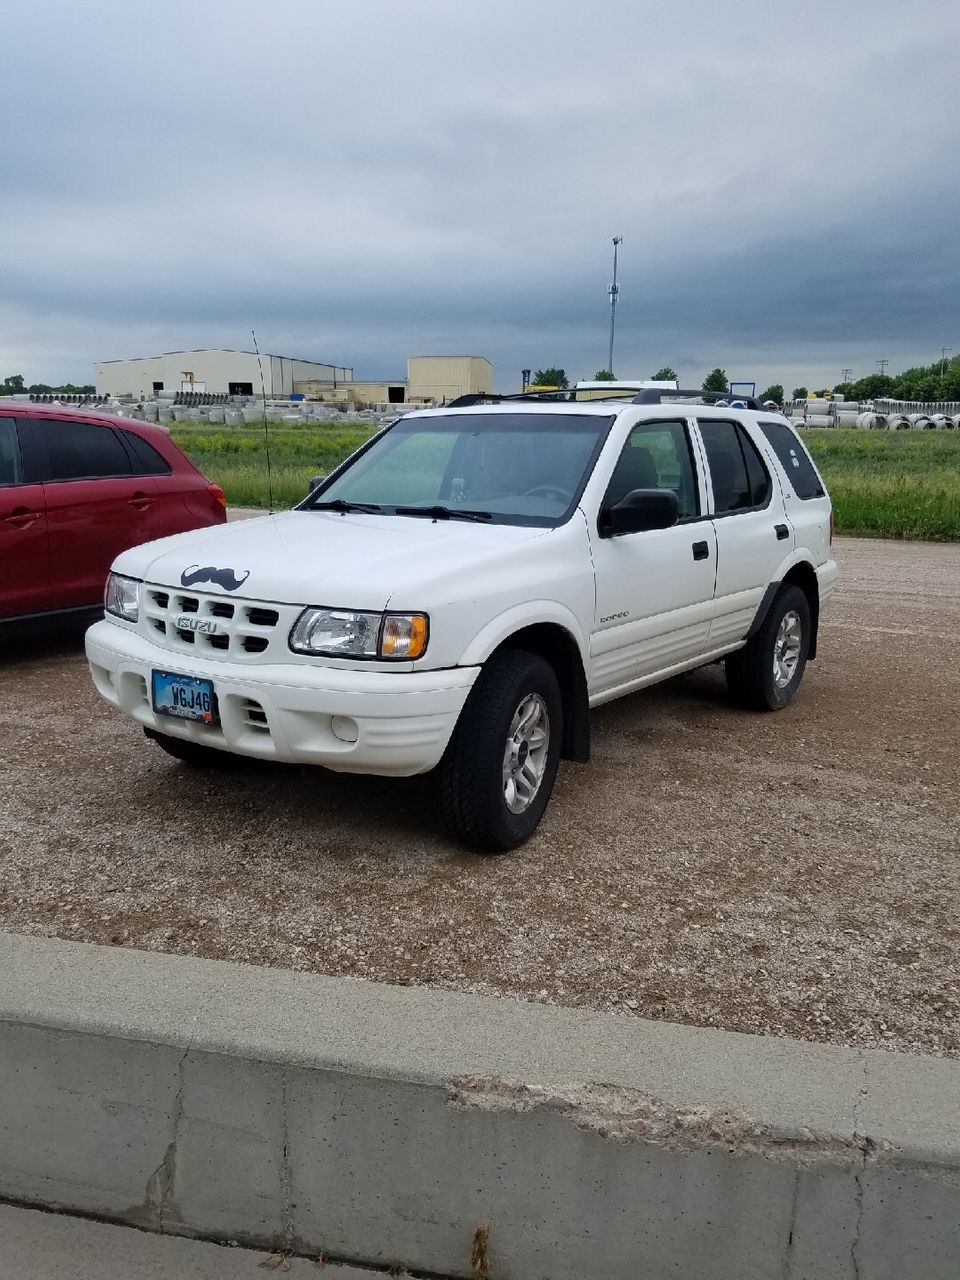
316	482
640	510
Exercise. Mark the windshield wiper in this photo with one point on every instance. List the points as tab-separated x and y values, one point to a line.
338	504
445	513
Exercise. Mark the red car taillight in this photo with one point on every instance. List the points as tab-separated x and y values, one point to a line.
217	494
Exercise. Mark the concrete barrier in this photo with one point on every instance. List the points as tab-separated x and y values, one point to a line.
460	1136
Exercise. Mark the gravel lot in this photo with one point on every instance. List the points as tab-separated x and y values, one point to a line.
794	874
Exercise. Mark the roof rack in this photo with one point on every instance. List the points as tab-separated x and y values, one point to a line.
495	397
646	395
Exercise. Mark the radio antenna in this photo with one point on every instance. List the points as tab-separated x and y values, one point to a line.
266	432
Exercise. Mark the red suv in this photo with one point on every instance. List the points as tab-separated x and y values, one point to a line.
78	488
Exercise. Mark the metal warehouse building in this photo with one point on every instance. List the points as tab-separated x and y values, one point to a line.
216	372
434	379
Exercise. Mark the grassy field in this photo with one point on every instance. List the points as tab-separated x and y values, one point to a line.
235	457
885	484
891	484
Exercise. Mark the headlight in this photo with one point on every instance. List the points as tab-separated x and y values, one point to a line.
337	632
343	633
122	597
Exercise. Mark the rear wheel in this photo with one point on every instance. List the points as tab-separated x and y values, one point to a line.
196	754
766	672
498	771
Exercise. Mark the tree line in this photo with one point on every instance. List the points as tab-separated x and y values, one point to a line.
716	380
14	385
925	382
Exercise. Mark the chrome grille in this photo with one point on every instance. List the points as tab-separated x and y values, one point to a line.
210	625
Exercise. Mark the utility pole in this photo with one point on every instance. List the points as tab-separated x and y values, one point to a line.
944	352
613	291
882	365
846	375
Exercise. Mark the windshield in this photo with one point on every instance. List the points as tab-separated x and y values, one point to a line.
500	468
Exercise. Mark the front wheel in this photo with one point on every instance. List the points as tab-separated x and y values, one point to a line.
498	771
766	672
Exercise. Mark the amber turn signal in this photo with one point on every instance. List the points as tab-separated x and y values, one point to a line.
404	635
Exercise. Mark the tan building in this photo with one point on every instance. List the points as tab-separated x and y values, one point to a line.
359	393
429	380
215	372
441	378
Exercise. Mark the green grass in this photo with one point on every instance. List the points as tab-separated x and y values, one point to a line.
885	484
891	484
235	457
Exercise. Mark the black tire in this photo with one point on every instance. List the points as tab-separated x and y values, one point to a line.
470	777
196	754
750	671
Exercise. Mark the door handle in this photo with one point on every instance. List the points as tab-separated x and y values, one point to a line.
21	517
782	532
701	551
141	501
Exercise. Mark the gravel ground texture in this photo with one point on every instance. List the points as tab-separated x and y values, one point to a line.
790	874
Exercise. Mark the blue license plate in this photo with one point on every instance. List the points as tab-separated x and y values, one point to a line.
184	697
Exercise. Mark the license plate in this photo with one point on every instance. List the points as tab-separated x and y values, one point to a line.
185	697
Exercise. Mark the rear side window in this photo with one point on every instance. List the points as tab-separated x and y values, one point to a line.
794	459
11	467
81	450
741	482
146	460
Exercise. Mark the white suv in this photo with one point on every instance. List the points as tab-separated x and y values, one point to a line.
463	589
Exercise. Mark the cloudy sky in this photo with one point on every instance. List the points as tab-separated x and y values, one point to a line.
361	182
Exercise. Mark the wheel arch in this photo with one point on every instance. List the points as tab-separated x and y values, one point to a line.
556	645
803	575
800	573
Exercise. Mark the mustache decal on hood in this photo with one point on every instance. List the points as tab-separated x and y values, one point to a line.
229	579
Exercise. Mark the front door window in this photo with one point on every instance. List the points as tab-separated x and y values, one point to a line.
657	456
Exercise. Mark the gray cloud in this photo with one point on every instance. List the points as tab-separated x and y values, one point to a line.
367	182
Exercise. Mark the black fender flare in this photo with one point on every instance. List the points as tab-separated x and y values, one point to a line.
576	723
764	607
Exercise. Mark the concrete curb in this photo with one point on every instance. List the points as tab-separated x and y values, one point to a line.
35	1245
382	1125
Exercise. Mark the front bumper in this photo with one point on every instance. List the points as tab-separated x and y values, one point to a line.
278	711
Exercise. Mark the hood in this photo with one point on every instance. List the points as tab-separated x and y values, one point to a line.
352	561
